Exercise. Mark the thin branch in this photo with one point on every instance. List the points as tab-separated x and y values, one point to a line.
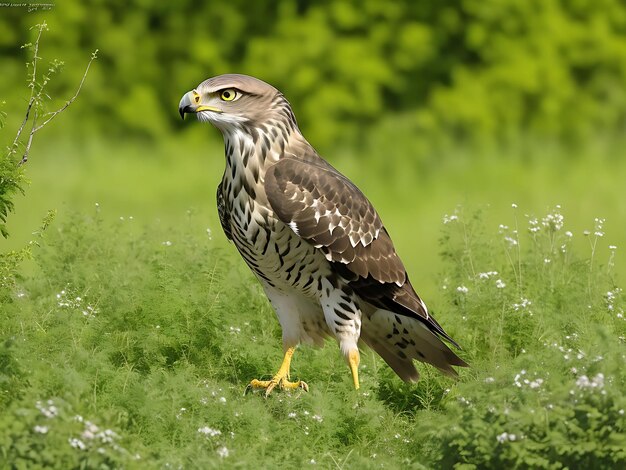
31	100
54	114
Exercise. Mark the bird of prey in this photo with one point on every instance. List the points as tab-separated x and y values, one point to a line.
314	241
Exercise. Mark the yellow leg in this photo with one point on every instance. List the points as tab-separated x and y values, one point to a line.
281	379
353	361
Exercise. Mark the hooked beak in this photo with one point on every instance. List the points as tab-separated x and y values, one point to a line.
190	103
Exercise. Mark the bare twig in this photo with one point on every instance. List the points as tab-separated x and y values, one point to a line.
31	85
37	94
53	114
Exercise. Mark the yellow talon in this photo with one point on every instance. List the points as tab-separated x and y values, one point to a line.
353	361
280	380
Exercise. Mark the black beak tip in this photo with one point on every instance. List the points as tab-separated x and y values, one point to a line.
182	113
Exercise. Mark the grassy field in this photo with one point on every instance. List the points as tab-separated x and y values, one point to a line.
131	335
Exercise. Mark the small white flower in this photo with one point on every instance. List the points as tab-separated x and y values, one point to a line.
450	218
487	274
77	443
511	241
291	415
490	380
317	418
207	431
222	452
596	382
500	284
504	437
612	247
514	206
167	243
41	429
462	289
569	234
222	399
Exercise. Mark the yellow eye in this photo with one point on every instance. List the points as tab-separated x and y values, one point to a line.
230	94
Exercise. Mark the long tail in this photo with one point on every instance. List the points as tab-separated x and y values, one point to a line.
399	340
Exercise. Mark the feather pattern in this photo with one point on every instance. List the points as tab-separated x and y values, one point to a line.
316	243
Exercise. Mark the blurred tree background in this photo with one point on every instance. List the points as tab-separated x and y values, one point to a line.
487	72
415	92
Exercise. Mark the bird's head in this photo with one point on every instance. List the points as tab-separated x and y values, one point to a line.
230	101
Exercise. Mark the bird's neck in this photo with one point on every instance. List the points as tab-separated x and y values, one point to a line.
250	152
254	149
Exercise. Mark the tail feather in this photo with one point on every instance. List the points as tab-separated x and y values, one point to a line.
399	340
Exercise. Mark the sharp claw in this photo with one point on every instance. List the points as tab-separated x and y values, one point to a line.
269	389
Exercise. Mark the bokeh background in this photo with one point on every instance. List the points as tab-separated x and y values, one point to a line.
425	105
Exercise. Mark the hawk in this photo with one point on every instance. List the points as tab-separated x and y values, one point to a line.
312	238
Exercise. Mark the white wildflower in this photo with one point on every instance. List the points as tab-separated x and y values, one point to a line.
569	234
533	225
511	241
553	221
462	289
77	443
500	284
222	452
450	218
41	429
596	382
487	274
49	411
210	432
167	243
505	436
524	304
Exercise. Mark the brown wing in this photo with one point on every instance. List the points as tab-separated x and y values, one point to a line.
326	209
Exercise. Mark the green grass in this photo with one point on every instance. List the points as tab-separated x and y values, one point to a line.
150	327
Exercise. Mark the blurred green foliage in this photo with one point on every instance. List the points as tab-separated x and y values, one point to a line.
482	72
